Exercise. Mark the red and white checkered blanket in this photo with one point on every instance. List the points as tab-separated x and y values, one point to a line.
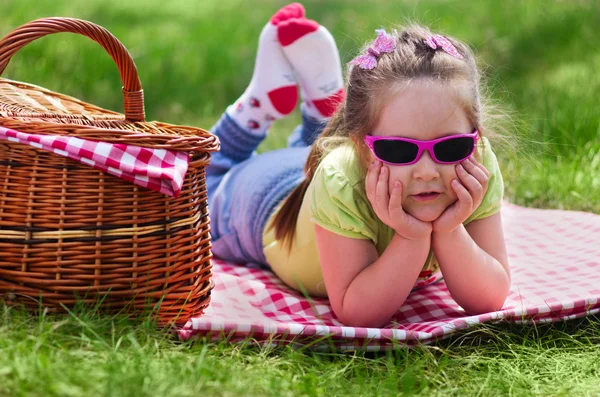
555	267
158	169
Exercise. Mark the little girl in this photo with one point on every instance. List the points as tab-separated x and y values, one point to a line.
400	185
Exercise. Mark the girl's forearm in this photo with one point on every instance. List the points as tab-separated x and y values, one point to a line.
380	289
476	280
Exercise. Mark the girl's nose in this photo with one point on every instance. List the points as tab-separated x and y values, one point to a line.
425	169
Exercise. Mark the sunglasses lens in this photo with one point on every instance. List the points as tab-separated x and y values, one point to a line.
397	152
453	150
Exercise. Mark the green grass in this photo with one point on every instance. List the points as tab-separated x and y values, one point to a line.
86	354
194	58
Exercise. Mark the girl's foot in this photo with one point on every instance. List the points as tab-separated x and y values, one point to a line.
272	93
312	52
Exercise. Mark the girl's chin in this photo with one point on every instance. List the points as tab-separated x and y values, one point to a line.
425	214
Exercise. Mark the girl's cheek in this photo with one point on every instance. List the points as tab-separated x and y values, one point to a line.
451	171
449	175
401	174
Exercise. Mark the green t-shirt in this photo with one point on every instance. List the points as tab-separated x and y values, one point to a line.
339	201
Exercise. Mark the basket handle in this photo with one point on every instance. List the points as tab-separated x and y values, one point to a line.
133	95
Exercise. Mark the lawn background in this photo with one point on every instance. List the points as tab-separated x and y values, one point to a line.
541	62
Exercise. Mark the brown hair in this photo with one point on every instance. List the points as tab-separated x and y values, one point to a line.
367	91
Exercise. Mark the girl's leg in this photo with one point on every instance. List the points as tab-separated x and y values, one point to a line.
250	187
306	133
313	54
246	198
271	95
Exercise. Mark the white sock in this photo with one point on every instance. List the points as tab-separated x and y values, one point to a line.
272	92
312	52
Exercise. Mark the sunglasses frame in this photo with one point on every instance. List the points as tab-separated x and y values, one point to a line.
422	146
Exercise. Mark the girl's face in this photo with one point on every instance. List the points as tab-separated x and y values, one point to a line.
423	111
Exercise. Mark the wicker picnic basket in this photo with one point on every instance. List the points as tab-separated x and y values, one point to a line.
70	233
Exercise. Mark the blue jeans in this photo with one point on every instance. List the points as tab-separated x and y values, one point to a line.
244	188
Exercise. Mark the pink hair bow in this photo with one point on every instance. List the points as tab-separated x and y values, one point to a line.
383	43
437	40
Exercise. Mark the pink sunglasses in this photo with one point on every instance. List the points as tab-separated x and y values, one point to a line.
403	151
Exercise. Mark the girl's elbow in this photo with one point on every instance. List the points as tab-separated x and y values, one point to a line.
359	321
493	304
360	318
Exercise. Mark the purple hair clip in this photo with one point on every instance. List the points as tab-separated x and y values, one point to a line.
383	43
437	40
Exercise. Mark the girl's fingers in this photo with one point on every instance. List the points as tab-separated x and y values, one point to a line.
469	181
371	181
477	170
372	178
396	198
479	165
465	200
382	195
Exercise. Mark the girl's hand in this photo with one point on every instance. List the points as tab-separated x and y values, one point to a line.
388	207
474	177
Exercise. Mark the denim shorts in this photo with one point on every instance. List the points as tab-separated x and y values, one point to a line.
244	187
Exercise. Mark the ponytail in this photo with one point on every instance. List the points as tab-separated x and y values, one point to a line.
286	218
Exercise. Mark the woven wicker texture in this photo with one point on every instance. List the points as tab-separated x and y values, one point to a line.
70	233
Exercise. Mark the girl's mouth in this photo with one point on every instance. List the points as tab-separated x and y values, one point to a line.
426	196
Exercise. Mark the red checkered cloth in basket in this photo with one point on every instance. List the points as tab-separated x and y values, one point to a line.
555	265
158	169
